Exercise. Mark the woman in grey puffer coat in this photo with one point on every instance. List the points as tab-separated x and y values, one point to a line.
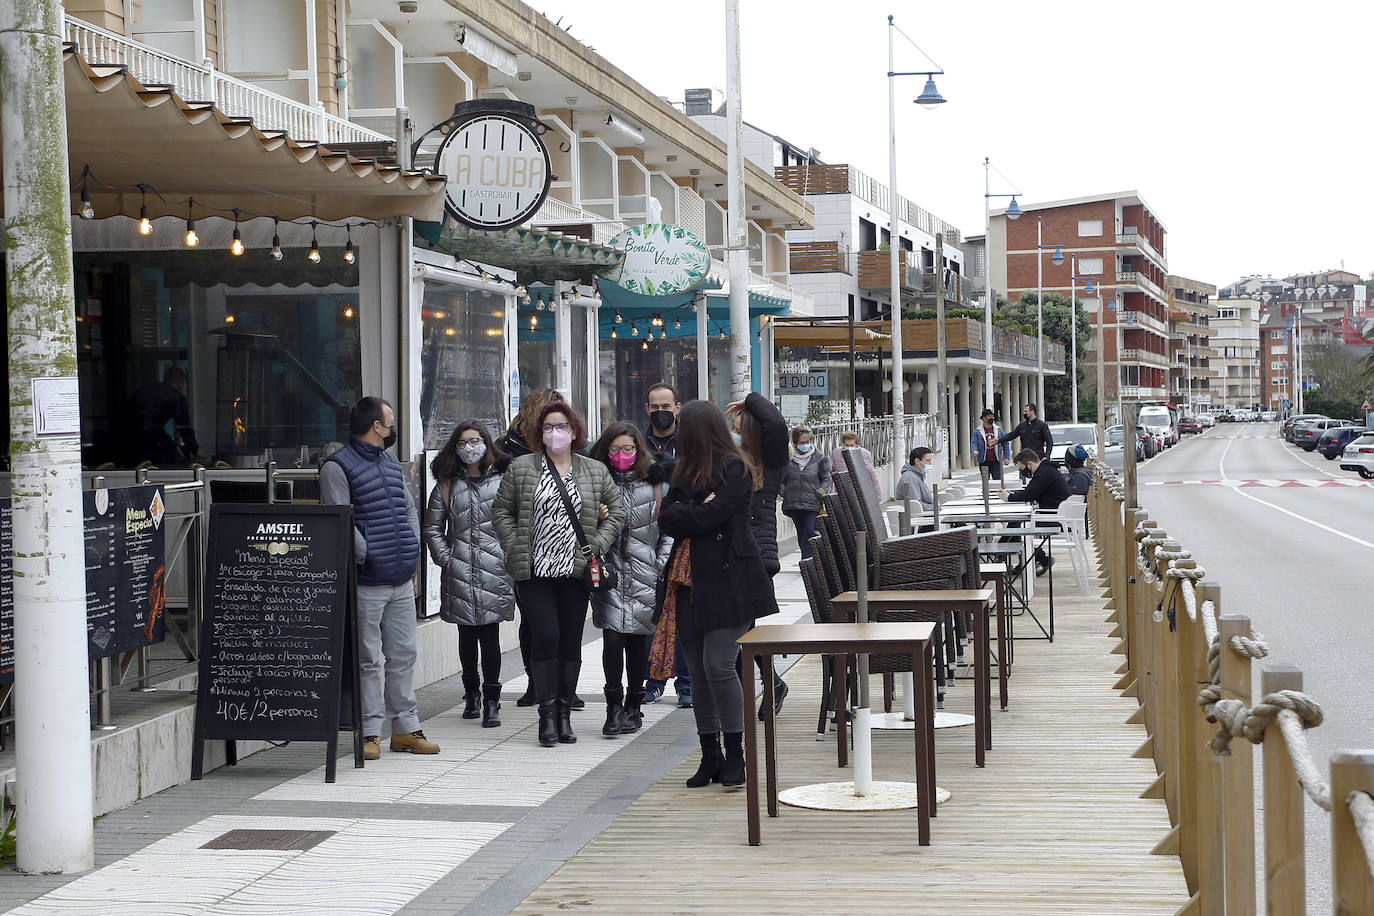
625	614
476	592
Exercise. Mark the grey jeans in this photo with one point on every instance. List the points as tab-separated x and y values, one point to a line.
717	697
386	630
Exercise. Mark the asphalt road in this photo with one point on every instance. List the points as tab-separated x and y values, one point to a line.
1292	558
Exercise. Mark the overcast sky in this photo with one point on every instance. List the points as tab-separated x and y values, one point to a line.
1245	126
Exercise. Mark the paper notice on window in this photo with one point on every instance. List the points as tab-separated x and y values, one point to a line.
56	408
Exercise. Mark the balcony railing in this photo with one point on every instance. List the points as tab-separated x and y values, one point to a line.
1142	279
819	257
842	179
553	213
1142	392
1143	320
1149	357
198	83
1140	241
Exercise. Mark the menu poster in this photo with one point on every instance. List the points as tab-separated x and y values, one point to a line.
126	573
278	608
6	592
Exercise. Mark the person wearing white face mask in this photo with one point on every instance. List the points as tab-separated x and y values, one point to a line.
476	592
544	499
805	481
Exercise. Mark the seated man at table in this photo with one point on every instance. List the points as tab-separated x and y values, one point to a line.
1047	489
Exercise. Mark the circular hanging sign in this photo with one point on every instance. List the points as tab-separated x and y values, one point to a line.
661	260
498	172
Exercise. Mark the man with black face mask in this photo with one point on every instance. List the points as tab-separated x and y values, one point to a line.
1034	434
662	405
386	543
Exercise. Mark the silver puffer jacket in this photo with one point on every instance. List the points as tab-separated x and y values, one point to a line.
638	556
476	589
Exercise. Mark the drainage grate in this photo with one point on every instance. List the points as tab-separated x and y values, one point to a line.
269	839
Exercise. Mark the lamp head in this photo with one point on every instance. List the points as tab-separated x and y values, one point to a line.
1090	287
1013	210
1058	256
930	96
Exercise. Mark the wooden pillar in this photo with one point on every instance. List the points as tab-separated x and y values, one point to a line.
1351	771
1238	792
1285	879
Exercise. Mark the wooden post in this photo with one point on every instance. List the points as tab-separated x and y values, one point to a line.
1238	788
1167	738
1191	661
1210	844
1125	607
1351	771
1285	881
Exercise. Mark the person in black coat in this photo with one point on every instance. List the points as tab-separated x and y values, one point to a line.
1047	489
1033	432
716	583
761	432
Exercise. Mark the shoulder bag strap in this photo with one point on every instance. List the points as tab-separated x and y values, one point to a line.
574	517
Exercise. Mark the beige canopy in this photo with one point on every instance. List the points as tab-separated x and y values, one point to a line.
129	133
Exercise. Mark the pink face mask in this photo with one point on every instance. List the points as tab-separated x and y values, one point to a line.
558	441
623	461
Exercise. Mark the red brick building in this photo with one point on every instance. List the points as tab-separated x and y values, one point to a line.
1117	241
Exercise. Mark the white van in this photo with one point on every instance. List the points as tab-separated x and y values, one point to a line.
1159	422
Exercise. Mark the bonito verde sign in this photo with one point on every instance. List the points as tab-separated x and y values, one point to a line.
661	260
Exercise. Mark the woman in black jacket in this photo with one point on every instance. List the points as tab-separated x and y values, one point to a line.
716	584
761	433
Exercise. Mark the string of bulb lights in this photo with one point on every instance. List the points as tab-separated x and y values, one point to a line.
192	239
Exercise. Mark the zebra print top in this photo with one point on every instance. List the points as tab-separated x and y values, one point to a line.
553	548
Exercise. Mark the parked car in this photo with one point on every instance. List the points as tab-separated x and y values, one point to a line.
1333	441
1306	435
1067	435
1144	444
1268	416
1359	456
1208	420
1294	420
1189	425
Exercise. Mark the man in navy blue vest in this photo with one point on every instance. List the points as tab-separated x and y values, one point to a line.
386	542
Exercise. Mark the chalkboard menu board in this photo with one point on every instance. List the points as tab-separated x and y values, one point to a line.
126	574
278	609
125	544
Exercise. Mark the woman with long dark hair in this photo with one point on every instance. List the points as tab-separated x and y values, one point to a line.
625	613
762	436
475	590
716	585
544	499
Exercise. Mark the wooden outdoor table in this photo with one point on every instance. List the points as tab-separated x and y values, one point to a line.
839	640
972	601
998	574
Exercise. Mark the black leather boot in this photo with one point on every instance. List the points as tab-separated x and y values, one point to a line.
631	718
544	678
491	705
711	761
614	710
567	686
732	768
471	696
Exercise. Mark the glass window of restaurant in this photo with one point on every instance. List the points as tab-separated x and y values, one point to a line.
628	367
462	360
536	345
199	356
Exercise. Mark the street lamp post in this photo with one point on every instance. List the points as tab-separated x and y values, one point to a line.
1127	436
1057	258
1012	212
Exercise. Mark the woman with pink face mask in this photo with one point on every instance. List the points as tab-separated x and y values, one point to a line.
625	614
540	537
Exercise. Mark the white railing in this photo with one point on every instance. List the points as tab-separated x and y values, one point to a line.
553	213
1143	320
203	83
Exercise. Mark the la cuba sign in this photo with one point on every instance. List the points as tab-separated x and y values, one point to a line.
497	165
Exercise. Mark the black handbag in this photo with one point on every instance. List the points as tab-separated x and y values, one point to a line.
599	576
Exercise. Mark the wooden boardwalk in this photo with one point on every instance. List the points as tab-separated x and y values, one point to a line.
1053	824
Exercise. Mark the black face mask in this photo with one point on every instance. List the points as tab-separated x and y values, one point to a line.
662	420
390	438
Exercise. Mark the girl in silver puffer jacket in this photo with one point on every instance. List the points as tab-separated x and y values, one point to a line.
476	592
625	613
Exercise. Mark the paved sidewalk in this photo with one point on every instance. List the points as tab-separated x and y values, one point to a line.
475	828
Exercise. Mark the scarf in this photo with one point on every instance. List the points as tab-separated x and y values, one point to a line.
663	651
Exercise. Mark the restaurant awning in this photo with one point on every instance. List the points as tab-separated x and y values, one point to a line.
129	133
536	255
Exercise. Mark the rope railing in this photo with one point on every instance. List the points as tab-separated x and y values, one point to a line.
1190	667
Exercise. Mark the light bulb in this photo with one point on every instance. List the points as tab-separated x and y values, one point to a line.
192	240
145	225
520	291
644	346
348	312
87	211
694	308
723	335
314	254
534	321
276	248
525	299
486	277
349	255
634	331
677	324
614	335
236	246
619	318
540	306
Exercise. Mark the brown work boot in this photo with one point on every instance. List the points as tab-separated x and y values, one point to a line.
372	747
415	742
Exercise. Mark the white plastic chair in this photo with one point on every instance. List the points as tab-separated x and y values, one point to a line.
1071	516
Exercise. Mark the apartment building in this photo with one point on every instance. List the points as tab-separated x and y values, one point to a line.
1117	242
1191	349
1237	340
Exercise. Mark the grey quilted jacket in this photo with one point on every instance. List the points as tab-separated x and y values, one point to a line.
476	589
639	555
513	511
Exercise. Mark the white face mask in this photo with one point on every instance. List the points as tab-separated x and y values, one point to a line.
739	440
472	452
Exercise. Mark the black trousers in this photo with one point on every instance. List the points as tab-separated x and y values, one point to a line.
625	654
556	610
488	638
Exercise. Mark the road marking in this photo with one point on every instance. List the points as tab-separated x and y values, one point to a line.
1260	482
